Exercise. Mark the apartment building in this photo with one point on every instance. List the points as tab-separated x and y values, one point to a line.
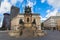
52	22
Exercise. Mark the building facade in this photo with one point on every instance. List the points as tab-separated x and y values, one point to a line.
26	19
14	12
6	21
52	23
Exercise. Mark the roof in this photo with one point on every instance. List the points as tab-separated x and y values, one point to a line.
53	17
32	14
6	14
14	7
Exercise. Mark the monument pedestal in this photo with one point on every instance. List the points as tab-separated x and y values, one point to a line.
26	32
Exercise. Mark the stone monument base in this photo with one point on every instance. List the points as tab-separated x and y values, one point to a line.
27	33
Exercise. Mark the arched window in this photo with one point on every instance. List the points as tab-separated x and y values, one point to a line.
27	19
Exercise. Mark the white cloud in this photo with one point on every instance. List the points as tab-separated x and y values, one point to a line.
1	19
48	11
13	2
42	19
0	24
31	4
54	3
42	1
5	6
52	13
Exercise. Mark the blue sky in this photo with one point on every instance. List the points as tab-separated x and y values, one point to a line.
45	8
39	7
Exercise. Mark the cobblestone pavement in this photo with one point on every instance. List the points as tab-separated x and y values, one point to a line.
51	35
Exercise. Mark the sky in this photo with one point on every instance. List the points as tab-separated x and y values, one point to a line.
45	8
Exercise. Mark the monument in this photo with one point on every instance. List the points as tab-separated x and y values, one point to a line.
26	24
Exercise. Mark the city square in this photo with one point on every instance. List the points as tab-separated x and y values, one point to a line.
29	19
51	35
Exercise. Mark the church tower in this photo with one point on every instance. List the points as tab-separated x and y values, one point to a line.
28	16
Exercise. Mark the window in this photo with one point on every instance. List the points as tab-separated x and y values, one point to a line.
27	19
